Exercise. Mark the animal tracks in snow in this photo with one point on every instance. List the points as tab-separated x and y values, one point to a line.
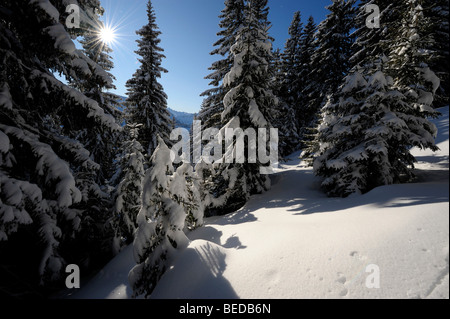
351	278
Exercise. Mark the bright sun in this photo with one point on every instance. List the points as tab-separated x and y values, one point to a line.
107	35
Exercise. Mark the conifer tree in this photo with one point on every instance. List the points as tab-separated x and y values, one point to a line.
438	13
305	116
47	178
185	189
205	175
101	144
367	133
161	222
129	190
288	86
371	43
409	60
383	109
147	101
99	52
285	121
290	62
212	107
330	61
248	104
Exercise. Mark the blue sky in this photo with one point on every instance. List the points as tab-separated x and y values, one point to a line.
189	29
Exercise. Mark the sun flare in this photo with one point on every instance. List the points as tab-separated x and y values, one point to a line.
107	35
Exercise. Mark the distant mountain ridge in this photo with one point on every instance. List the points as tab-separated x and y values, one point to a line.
182	119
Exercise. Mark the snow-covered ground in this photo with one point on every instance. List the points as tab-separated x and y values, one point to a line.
294	242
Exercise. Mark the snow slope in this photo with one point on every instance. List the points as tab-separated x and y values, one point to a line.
294	242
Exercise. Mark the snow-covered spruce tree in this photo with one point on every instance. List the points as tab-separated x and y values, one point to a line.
367	133
290	63
287	88
438	13
99	52
99	142
212	107
305	116
96	235
147	101
205	174
285	121
185	190
102	144
374	42
129	191
330	61
43	169
409	61
248	104
161	221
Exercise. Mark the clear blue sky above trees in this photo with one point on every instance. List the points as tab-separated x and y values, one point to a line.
189	29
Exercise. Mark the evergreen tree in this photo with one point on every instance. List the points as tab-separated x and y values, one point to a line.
367	133
371	43
185	189
406	36
284	120
147	102
47	178
161	221
212	107
290	62
409	60
248	104
382	111
129	190
330	61
99	52
305	116
438	13
205	175
287	89
101	144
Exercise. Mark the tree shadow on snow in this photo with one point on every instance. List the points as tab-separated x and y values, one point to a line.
439	161
234	242
432	176
242	216
213	235
206	233
400	195
205	265
303	195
